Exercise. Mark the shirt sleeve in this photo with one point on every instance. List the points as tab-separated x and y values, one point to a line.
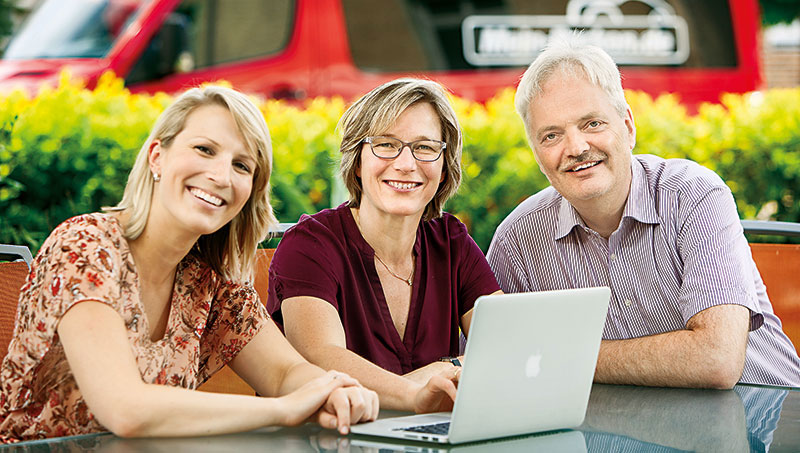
80	261
302	266
235	317
717	264
504	260
475	277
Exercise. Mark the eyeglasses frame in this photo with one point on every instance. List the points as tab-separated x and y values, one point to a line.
410	145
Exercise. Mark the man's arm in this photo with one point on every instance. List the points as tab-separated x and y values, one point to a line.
708	353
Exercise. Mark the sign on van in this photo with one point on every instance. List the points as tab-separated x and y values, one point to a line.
658	38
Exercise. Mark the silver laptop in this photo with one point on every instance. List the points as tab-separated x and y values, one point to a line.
528	367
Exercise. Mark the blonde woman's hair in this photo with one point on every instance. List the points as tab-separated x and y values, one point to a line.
231	250
377	111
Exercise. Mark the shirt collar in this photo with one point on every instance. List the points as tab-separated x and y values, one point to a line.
640	205
568	218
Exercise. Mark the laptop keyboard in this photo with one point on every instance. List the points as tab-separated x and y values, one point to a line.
434	428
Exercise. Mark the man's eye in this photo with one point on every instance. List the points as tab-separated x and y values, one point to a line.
549	137
593	124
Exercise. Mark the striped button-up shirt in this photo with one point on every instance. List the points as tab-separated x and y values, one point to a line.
678	250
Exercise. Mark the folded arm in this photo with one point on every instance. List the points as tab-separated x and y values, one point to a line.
97	349
708	353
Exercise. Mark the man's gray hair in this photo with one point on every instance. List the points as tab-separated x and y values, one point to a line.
570	57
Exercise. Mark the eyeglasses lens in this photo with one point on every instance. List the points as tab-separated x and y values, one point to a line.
389	148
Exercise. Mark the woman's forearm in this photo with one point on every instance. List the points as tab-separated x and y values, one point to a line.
151	410
395	392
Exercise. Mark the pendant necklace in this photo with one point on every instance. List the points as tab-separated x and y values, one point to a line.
408	281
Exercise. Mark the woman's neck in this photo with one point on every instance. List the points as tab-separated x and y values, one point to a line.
392	237
157	252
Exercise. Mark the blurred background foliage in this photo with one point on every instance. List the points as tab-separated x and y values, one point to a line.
779	11
6	26
68	151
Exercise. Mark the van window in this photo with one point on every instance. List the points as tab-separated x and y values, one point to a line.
233	30
205	33
72	29
429	35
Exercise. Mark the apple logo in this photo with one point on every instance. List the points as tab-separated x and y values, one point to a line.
533	365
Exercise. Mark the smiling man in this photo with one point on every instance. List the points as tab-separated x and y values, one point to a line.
688	306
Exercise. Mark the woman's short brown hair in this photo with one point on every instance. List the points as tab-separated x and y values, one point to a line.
377	111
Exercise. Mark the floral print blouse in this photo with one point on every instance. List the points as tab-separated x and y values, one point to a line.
87	258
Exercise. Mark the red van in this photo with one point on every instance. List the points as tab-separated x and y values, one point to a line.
295	49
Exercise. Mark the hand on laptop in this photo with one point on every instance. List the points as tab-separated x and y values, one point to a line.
424	374
334	400
439	393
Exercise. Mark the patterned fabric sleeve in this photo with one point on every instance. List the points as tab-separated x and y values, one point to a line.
79	261
715	257
503	259
235	317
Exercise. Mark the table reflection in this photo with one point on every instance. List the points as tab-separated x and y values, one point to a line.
619	418
559	441
628	418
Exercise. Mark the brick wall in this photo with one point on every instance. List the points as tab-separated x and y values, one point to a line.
781	66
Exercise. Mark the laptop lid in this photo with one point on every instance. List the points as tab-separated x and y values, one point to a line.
529	363
528	367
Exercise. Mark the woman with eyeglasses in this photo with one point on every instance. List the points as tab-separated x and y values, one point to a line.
379	286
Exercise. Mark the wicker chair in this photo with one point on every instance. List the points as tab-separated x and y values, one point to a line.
779	265
225	380
12	276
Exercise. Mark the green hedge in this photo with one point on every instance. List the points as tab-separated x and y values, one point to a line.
68	150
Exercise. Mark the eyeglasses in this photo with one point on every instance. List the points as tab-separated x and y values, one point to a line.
390	147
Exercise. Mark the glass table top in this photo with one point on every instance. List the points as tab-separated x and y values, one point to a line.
619	418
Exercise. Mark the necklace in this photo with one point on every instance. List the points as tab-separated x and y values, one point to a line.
408	281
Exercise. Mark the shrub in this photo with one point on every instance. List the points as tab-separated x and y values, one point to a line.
68	151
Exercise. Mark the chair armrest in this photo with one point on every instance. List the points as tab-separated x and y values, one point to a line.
278	230
770	227
10	252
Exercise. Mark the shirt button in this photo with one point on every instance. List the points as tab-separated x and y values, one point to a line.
613	256
628	302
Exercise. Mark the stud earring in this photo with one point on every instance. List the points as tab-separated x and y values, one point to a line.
156	177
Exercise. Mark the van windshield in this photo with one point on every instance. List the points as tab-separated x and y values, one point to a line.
73	29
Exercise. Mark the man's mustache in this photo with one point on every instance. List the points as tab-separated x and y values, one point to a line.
586	156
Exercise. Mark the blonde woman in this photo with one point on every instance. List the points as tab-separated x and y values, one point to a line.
126	312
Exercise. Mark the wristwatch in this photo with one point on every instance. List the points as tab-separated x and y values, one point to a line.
453	360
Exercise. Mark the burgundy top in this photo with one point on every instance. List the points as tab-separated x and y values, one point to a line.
325	256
